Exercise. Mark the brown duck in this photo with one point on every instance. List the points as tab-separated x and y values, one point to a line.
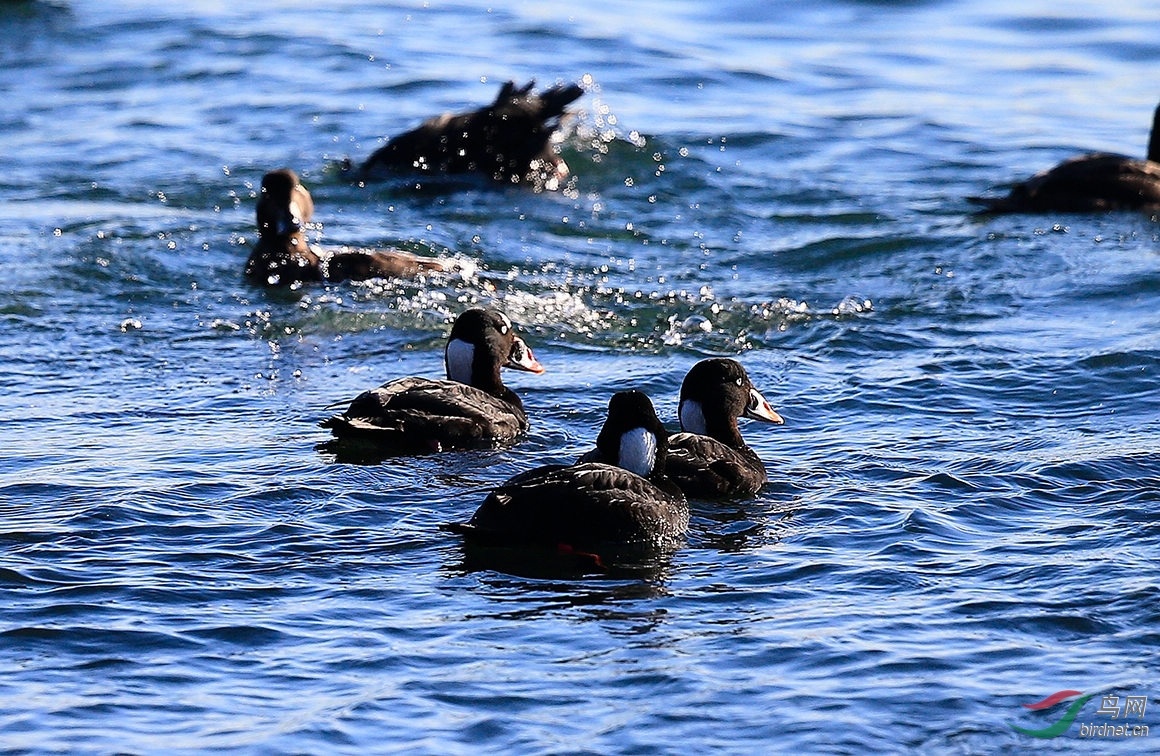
283	255
1095	182
591	506
508	141
471	409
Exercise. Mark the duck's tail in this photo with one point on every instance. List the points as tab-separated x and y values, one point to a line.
548	104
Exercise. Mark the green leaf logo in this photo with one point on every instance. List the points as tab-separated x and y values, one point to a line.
1064	722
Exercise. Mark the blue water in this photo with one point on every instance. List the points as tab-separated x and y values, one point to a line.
962	513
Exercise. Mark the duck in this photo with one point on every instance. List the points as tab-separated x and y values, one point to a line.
509	141
1095	182
470	409
590	507
709	459
284	256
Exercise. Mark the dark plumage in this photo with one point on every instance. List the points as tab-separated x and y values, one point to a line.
508	141
592	505
284	256
1089	183
710	459
471	409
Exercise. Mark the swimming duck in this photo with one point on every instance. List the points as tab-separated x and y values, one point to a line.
709	459
284	256
509	140
592	505
1094	182
471	409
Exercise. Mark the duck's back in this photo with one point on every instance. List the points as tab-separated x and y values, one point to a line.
424	414
505	140
584	506
705	468
1089	183
280	262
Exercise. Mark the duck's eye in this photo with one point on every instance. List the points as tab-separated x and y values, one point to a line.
503	329
740	382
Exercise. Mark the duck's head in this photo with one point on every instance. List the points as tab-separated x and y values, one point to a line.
715	393
284	205
632	435
481	342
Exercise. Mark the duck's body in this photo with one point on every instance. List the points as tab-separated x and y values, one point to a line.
283	254
586	507
471	409
709	459
1095	182
705	468
421	414
592	505
508	141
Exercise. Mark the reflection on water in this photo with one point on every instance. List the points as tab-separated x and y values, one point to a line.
531	585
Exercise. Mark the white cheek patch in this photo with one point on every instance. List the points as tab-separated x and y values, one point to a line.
692	418
638	451
459	357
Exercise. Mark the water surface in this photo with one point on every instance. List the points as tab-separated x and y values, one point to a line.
961	516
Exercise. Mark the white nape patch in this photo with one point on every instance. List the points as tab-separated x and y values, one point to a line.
459	356
692	418
638	451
